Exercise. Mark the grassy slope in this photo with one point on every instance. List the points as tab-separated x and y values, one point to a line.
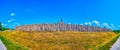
10	45
62	40
107	45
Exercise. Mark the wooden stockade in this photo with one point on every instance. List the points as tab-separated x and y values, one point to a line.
61	27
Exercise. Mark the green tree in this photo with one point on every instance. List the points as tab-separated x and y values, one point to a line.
0	26
116	31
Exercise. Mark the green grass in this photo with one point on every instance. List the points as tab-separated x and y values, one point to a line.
10	45
108	45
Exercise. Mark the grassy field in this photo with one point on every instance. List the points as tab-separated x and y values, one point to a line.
61	40
11	45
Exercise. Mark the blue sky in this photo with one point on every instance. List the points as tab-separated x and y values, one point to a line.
86	12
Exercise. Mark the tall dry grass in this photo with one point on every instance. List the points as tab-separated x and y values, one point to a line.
59	40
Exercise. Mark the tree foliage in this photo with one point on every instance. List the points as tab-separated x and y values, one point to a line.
0	26
3	28
116	31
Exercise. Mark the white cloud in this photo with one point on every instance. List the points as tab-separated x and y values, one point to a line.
89	23
10	20
13	25
4	24
105	24
16	24
111	24
86	23
12	14
96	22
69	23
